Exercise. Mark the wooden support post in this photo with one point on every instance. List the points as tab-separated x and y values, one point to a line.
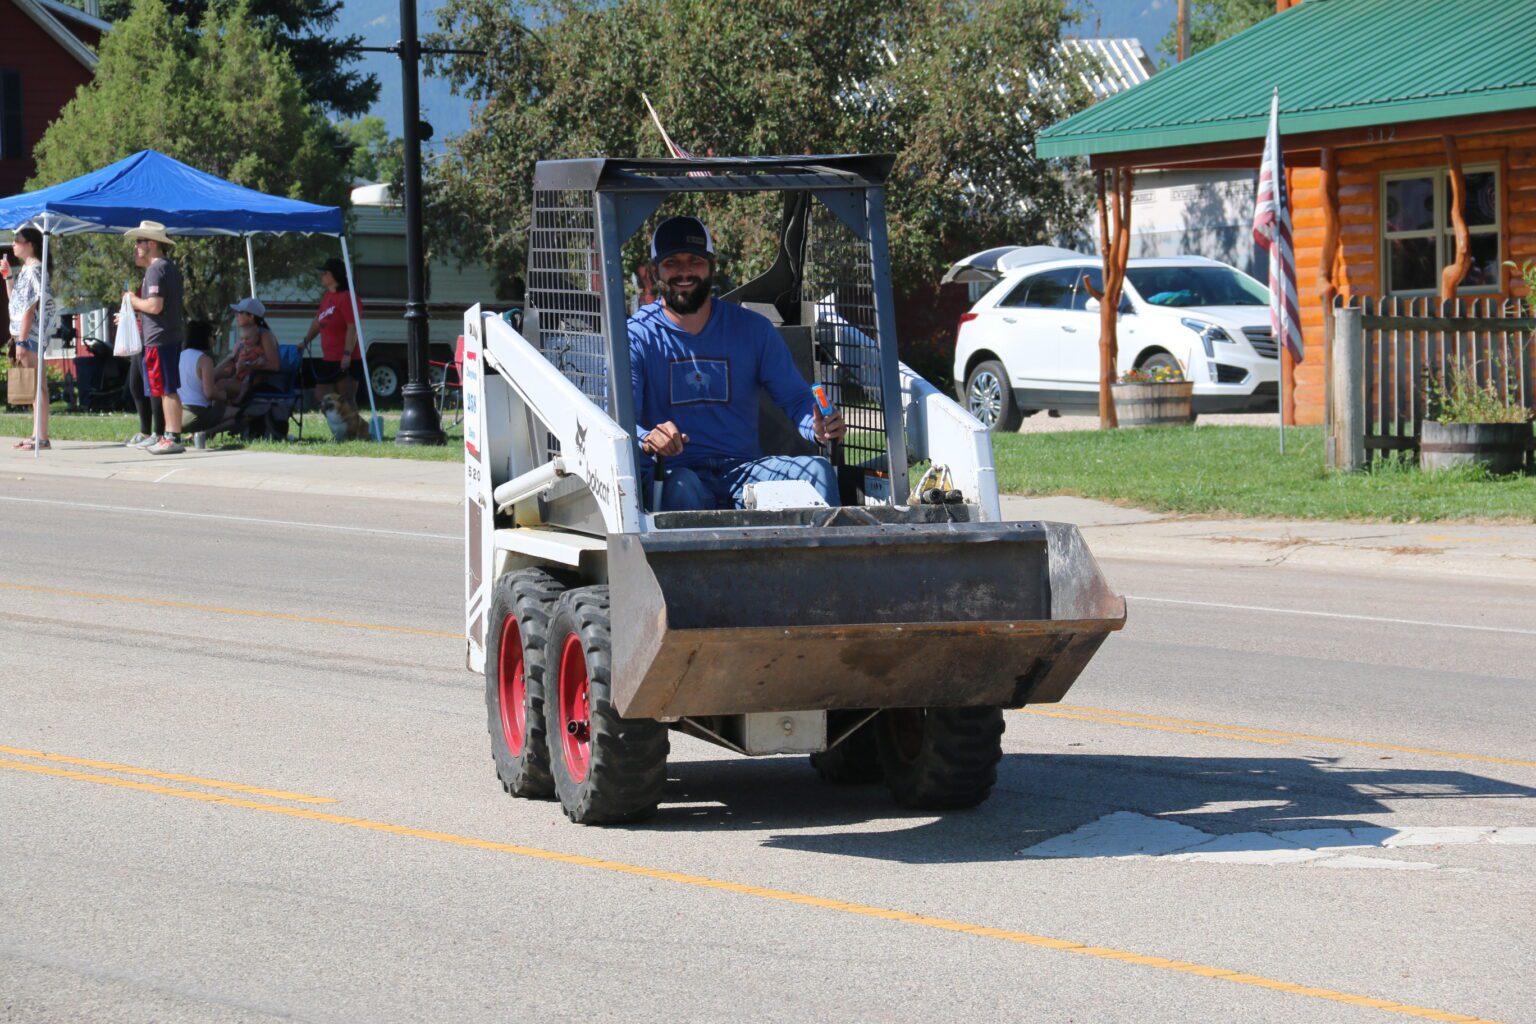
1348	436
1450	277
1327	286
1115	245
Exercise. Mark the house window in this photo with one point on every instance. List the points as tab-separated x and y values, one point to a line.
1419	240
11	145
379	281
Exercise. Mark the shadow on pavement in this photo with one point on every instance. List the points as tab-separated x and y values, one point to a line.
1040	796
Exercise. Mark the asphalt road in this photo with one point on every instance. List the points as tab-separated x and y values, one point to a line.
244	776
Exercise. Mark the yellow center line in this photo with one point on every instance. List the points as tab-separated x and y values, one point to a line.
777	895
1051	713
188	606
1141	721
239	787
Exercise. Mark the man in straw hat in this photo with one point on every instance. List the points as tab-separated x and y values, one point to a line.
159	307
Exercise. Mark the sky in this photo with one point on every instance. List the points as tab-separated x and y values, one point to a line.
378	22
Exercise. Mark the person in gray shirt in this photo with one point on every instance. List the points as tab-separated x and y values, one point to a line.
159	307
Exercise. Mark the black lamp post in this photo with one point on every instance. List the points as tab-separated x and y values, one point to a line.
419	422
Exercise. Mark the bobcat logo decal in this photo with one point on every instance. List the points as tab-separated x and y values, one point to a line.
581	438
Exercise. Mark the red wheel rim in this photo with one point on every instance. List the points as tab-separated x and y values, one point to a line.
514	687
907	730
575	709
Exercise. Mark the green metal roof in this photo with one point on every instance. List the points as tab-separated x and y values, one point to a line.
1338	64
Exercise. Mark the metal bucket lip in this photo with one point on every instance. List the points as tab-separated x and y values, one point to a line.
757	537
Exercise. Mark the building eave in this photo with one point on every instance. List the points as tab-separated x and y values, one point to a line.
58	32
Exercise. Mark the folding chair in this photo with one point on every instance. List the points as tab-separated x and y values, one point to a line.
451	380
276	403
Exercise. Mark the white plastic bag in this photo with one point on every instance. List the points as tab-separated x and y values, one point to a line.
128	342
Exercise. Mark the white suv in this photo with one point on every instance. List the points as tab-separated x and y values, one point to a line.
1032	341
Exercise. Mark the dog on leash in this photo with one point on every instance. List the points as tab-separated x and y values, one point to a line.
346	423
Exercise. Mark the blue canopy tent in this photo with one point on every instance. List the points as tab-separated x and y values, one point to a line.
152	186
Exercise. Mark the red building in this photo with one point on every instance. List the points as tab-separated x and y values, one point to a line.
49	53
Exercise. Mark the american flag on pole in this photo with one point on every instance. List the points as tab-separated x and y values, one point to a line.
677	151
1272	230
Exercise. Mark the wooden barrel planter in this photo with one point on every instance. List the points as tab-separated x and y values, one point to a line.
1502	447
1155	405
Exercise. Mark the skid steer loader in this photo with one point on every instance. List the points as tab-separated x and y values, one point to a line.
883	637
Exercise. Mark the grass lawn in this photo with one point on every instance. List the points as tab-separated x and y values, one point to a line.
77	426
1238	471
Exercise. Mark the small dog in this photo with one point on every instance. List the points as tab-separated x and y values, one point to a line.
346	423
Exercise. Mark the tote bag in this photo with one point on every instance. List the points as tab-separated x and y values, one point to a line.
128	342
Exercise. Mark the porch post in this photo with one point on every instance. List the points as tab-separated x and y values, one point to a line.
1115	245
1327	288
1450	277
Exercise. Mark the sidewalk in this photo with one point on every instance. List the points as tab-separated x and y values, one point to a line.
1505	552
394	479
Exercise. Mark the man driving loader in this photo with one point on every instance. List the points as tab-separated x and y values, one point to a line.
696	367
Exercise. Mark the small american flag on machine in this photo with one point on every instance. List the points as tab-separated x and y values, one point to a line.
1272	231
677	151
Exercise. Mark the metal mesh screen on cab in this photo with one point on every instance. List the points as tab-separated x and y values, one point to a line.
839	280
565	288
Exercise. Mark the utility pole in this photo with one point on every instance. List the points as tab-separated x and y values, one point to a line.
1183	30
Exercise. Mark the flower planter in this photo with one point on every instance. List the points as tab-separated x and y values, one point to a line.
1155	405
1502	447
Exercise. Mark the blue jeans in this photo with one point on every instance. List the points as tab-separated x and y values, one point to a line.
720	483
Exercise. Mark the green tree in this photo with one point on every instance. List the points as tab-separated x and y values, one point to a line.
224	100
301	29
944	84
376	155
1211	21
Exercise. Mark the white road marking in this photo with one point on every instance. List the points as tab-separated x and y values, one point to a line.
1334	615
1128	835
91	507
172	473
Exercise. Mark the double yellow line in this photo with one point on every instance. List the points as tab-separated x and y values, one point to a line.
1247	733
694	881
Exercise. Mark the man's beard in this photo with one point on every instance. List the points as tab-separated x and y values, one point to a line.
687	298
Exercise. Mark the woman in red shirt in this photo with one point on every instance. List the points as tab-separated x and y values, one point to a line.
338	369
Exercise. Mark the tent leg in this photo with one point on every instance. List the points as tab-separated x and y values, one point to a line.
40	407
250	263
362	344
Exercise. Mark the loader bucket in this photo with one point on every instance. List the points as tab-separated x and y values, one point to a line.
736	620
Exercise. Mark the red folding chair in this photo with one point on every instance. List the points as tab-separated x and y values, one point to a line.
450	380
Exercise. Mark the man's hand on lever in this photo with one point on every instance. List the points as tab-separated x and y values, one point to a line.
828	428
664	439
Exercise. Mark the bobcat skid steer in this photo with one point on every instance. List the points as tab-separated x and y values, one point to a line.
883	637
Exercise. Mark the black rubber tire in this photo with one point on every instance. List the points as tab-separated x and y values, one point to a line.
528	597
853	762
940	758
1157	359
1008	416
627	757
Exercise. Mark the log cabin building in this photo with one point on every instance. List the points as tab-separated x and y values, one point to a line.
1389	110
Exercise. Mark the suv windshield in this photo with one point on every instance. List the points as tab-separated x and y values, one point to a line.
1196	286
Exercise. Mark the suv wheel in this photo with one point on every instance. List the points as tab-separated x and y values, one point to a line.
1159	360
989	398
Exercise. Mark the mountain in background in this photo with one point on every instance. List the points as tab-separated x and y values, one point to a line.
1146	20
378	22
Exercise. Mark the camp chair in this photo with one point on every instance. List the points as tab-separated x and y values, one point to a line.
451	380
275	404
